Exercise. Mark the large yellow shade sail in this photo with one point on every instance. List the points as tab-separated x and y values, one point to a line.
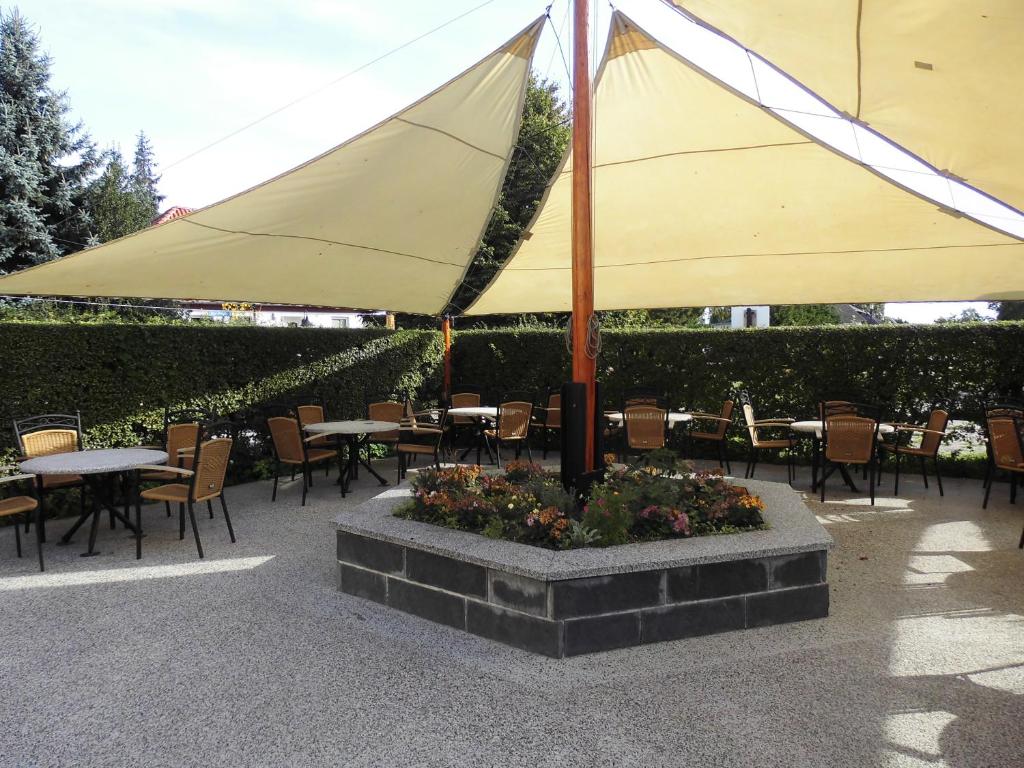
702	198
942	78
388	220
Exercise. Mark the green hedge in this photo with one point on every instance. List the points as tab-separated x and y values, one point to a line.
122	376
905	368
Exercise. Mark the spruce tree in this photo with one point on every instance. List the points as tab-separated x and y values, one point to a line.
144	178
114	201
46	161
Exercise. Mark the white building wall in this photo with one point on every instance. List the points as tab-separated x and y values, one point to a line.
283	319
762	316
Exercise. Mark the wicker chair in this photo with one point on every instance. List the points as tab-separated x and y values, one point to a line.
549	418
312	411
849	435
719	434
45	435
928	447
1007	409
464	396
1005	449
512	426
291	449
204	482
420	436
644	426
385	409
758	442
21	505
181	431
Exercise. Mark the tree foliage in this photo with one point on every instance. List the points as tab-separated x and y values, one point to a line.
46	160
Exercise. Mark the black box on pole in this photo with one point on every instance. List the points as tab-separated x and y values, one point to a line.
574	438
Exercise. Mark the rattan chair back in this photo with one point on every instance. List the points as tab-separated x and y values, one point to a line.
385	410
287	438
1005	441
642	396
553	412
312	413
180	437
645	426
48	434
937	421
514	419
850	439
726	416
749	418
465	397
211	468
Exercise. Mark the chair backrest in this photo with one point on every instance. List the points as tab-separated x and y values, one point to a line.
726	415
514	418
287	438
49	433
181	436
211	467
849	438
749	418
465	397
311	413
828	408
645	426
642	396
553	412
937	421
386	410
1005	440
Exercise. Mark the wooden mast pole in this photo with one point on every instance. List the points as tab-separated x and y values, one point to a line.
446	332
584	367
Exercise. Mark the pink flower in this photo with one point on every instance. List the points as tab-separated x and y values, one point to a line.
681	524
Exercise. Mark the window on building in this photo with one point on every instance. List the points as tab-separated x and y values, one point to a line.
339	322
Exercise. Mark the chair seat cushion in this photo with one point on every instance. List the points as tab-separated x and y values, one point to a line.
16	505
60	481
171	492
494	433
415	448
772	444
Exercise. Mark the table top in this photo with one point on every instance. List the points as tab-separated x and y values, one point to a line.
475	410
93	462
815	426
358	427
674	417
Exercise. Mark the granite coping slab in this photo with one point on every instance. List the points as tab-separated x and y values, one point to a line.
793	528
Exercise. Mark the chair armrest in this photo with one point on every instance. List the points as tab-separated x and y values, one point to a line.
166	468
319	436
772	423
187	451
12	478
149	447
912	428
709	417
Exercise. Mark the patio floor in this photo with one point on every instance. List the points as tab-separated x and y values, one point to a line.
252	657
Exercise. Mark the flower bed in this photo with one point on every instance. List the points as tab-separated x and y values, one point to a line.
661	499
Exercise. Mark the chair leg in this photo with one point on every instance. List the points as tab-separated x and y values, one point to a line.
39	535
544	443
924	472
209	507
821	483
277	471
529	453
17	535
195	528
399	467
1021	545
938	477
753	467
167	505
869	469
1013	487
181	522
305	482
497	451
988	490
227	517
896	459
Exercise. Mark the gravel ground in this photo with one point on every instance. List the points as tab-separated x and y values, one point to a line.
252	658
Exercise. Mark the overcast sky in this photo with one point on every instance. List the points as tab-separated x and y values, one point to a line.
190	72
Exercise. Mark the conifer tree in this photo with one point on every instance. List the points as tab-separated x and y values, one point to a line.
144	179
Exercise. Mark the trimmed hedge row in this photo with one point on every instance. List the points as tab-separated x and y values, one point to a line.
906	368
122	376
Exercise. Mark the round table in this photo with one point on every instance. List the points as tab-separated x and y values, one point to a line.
351	431
475	412
90	464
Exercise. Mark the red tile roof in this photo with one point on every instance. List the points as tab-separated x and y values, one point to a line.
171	214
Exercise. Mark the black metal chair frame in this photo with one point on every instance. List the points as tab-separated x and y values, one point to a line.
516	397
904	433
30	480
407	435
281	411
743	399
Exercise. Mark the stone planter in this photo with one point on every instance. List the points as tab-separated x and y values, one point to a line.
581	601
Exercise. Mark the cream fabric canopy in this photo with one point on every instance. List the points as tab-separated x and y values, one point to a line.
703	198
388	220
942	78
